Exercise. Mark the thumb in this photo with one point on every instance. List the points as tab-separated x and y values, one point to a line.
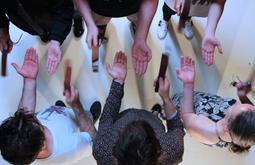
219	47
16	67
108	68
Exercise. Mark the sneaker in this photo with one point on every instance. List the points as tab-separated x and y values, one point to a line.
162	29
78	28
156	109
187	30
60	103
95	110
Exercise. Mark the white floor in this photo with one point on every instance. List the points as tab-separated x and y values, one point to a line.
138	90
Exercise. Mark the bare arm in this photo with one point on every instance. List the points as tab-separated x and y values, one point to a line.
214	15
83	117
199	127
146	13
243	88
29	71
85	10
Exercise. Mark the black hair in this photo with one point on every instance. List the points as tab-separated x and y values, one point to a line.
137	145
21	138
242	131
202	2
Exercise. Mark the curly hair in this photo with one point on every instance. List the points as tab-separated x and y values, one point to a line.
242	131
21	138
137	145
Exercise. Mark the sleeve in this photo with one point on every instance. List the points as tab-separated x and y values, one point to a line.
62	15
112	106
4	22
172	141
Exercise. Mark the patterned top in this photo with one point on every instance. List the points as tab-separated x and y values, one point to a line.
208	105
111	122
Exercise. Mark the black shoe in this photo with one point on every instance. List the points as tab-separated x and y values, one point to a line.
95	110
78	28
156	108
45	37
60	103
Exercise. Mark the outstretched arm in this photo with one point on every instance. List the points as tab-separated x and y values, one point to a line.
84	118
141	53
199	127
118	71
29	71
210	42
85	10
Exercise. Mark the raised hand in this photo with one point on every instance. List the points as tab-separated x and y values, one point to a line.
72	96
141	55
29	70
164	88
208	46
53	57
178	6
187	71
92	36
6	43
118	70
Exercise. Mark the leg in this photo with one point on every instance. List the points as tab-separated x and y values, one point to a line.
163	24
78	28
133	18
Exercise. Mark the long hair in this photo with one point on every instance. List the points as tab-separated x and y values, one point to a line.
21	138
242	131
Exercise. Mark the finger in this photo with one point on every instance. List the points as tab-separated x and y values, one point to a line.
95	40
16	67
219	48
134	62
108	69
27	54
144	67
34	55
125	59
89	41
119	57
116	57
149	55
182	7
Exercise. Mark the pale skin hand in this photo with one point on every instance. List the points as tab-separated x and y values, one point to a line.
118	70
6	43
243	88
92	36
164	88
187	71
209	43
53	56
178	6
141	55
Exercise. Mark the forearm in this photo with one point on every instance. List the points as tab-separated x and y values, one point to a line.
187	99
85	120
85	10
28	98
145	16
214	15
169	107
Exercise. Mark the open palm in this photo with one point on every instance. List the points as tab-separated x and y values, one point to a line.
187	71
30	66
118	70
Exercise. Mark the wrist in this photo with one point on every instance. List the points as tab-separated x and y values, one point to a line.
119	81
55	43
188	85
165	99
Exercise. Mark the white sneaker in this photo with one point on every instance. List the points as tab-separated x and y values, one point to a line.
162	29
187	30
